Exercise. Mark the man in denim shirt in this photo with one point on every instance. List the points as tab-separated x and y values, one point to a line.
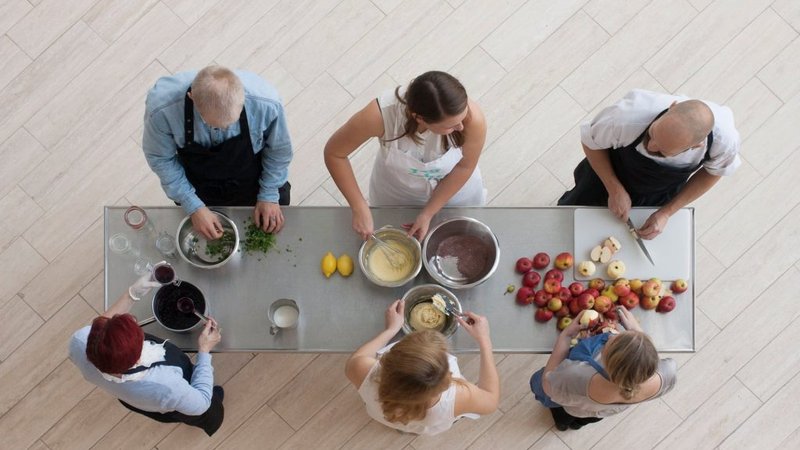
219	138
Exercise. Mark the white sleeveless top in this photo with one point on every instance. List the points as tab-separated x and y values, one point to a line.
439	418
406	173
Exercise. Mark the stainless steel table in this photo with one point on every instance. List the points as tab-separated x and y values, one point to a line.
339	314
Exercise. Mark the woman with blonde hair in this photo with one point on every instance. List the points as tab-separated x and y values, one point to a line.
415	385
602	375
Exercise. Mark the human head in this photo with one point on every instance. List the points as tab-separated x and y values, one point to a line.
437	101
114	345
412	373
683	126
630	359
218	95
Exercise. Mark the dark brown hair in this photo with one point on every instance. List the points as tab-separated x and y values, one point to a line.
433	96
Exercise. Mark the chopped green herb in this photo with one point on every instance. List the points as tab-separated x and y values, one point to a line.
221	248
256	239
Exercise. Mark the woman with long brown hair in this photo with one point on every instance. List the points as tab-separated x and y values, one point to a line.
431	136
602	375
415	385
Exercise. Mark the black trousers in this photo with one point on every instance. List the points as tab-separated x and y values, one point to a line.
565	420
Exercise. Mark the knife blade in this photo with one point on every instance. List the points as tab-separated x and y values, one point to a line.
639	241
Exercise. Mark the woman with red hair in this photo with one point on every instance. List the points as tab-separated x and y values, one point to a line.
147	374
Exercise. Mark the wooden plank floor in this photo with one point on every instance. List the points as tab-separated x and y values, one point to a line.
71	106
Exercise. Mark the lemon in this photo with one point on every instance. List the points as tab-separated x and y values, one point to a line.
328	264
344	265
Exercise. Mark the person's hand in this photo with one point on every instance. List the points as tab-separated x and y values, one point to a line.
573	328
268	216
394	315
210	336
362	222
619	203
477	327
627	319
654	225
207	223
142	286
420	226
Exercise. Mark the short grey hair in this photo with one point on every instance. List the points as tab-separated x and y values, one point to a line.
218	94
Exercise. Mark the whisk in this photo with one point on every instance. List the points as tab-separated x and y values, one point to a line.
397	259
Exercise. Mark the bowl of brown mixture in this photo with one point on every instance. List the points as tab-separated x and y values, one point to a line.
461	252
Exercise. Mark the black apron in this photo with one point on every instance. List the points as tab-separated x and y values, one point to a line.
647	182
226	174
209	421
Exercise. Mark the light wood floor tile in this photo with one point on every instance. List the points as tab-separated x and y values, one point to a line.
449	42
45	23
741	59
777	75
38	445
310	390
733	347
774	365
147	433
94	293
612	15
288	87
780	415
551	61
478	72
519	427
36	358
721	200
549	442
331	427
377	435
39	83
690	49
19	322
772	143
515	372
461	435
20	263
327	41
712	422
320	197
245	393
12	11
14	59
109	19
643	428
700	5
528	27
535	185
20	211
43	407
707	269
789	11
67	274
190	11
148	192
625	51
84	425
753	105
120	63
312	109
387	6
388	40
20	153
227	365
263	430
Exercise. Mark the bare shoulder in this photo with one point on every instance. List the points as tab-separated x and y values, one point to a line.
357	368
368	121
476	118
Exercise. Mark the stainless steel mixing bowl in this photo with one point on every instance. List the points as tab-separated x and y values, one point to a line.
390	234
423	293
444	269
192	245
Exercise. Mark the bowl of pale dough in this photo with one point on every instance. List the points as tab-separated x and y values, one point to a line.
420	314
375	261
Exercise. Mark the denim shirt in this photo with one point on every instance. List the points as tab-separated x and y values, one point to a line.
164	134
163	388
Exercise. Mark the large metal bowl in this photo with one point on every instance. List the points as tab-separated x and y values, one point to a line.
423	293
191	244
389	234
483	253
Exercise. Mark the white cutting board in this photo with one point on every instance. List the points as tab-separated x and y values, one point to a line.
671	250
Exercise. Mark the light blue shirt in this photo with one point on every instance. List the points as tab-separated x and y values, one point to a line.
164	134
162	389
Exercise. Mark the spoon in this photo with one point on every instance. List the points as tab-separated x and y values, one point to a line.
186	306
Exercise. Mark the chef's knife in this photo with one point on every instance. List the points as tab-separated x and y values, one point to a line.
639	241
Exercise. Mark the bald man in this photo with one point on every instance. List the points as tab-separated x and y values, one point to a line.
653	149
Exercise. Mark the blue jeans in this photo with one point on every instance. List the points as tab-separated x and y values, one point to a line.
538	390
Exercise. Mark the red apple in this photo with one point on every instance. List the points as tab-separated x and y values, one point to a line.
563	261
680	285
651	287
564	294
574	309
541	298
531	279
564	322
630	301
597	283
576	288
541	260
543	315
525	295
555	304
552	286
564	311
611	314
622	289
624	281
595	293
524	265
554	274
585	301
602	304
666	304
589	318
650	301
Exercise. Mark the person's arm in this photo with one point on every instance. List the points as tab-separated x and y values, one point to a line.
364	125
134	293
484	397
619	201
275	158
560	351
474	139
698	184
194	398
362	360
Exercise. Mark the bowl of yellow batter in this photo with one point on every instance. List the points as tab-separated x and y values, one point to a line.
420	314
375	262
